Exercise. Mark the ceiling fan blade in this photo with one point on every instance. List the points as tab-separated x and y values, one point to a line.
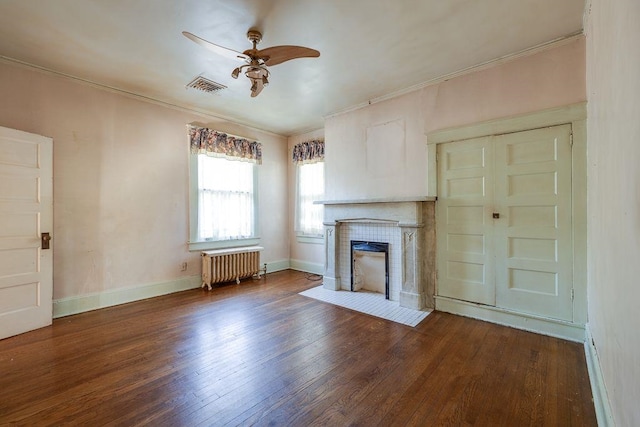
220	50
279	54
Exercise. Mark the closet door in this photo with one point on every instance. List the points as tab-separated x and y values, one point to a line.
533	241
464	221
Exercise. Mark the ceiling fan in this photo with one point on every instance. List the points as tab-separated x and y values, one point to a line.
256	60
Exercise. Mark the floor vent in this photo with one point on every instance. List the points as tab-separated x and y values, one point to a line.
205	85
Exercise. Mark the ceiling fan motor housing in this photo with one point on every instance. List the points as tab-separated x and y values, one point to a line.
254	36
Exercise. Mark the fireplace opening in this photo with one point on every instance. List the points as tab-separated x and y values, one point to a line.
370	267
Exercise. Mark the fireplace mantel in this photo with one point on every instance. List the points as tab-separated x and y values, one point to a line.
378	200
415	219
402	211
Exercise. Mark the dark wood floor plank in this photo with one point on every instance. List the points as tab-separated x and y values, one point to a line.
332	388
275	376
386	396
260	354
446	376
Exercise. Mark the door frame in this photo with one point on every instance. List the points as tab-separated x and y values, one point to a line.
576	116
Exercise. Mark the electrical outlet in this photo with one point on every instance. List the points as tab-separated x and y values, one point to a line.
183	266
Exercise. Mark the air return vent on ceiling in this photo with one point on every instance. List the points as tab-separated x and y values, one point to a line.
205	85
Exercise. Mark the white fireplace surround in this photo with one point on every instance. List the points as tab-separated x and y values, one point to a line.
407	224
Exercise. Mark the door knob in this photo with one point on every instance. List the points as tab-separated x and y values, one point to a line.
45	239
496	215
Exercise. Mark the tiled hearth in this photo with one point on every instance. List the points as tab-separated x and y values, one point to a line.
370	303
406	224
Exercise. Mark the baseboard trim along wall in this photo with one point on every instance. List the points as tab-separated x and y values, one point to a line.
79	304
598	389
541	325
274	266
307	267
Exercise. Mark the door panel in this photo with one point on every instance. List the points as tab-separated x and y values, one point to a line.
533	235
26	210
465	264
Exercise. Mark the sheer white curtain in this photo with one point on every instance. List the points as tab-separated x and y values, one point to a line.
310	188
226	199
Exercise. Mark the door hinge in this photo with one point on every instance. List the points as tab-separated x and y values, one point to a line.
571	140
572	294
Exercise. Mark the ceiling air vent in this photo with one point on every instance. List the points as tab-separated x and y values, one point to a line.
205	85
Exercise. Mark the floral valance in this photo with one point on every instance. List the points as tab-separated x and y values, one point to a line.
218	144
308	152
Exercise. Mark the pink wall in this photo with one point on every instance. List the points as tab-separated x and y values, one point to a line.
550	78
121	181
613	226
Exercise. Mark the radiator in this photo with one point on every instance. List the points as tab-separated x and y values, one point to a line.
225	265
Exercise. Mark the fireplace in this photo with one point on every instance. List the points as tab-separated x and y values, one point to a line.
378	264
405	225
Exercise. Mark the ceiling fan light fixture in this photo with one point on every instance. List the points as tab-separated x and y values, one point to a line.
255	71
256	60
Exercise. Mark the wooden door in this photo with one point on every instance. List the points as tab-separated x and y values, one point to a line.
26	211
503	217
533	239
463	215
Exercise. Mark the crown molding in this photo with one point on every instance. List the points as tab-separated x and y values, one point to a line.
474	68
132	95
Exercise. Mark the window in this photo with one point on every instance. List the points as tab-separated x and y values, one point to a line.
223	200
223	191
310	187
308	157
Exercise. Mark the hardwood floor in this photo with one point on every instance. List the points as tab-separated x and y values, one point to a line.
260	354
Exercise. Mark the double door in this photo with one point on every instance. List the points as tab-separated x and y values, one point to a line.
504	222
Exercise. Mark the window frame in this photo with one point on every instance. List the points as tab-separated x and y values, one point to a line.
301	236
202	245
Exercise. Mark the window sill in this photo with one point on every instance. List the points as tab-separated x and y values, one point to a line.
315	240
222	244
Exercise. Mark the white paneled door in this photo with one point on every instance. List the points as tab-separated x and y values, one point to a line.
466	267
26	215
504	221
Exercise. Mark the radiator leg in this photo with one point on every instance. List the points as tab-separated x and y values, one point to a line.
237	280
261	272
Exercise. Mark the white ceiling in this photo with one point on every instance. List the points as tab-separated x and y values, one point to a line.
369	48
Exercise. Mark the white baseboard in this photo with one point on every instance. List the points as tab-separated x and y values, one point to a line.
274	266
79	304
598	389
308	267
541	325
